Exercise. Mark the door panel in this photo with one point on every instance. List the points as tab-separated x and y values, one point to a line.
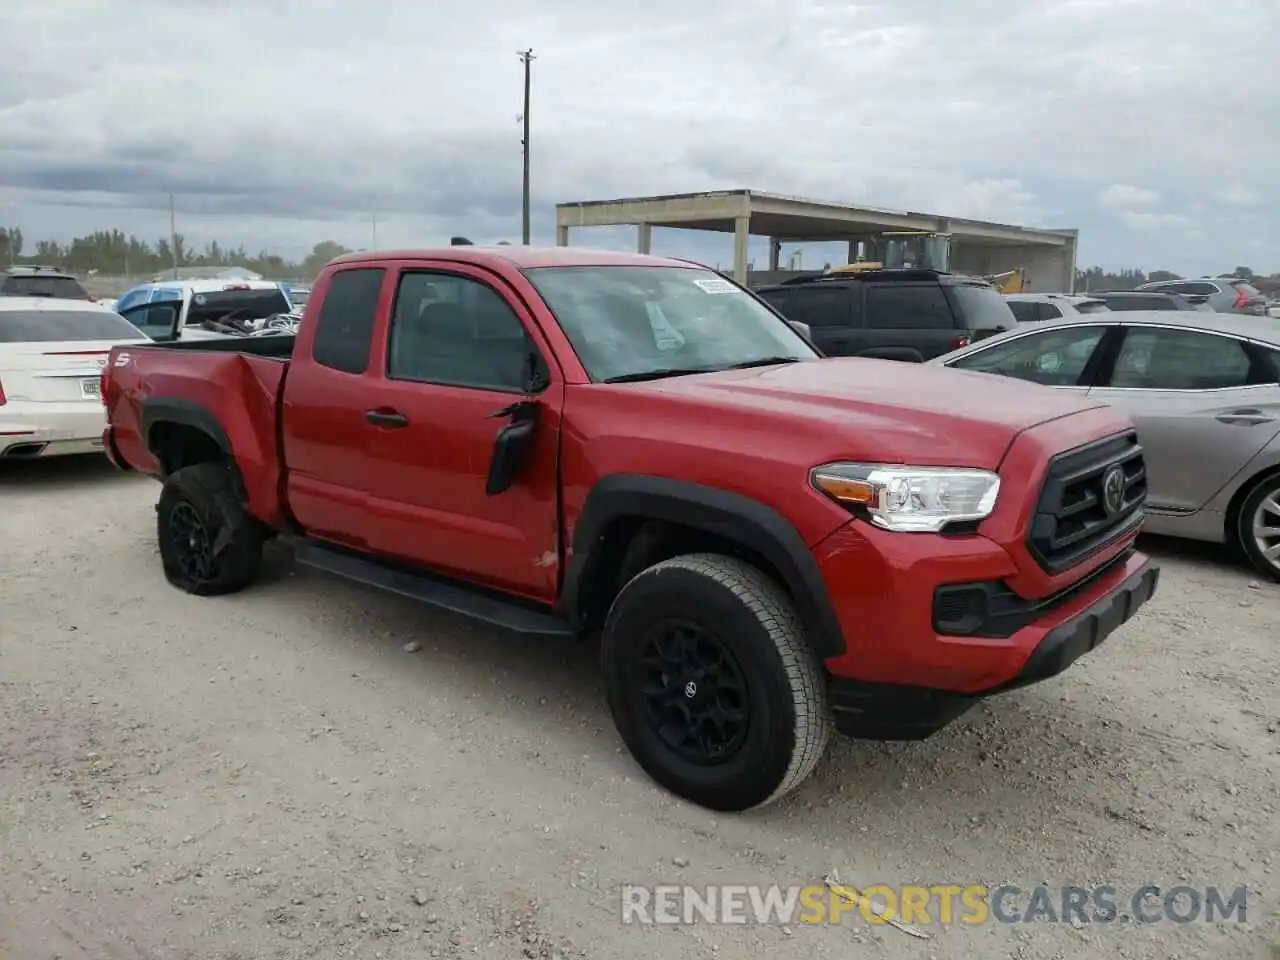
1199	407
454	361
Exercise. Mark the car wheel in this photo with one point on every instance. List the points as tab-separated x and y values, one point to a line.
209	544
711	682
1258	527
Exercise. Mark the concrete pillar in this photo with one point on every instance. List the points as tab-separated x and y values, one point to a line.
644	237
852	256
562	235
741	237
775	252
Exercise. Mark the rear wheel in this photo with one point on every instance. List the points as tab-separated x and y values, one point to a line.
1258	527
711	683
209	544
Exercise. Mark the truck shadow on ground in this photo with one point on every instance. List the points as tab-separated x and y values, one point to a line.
1061	755
60	474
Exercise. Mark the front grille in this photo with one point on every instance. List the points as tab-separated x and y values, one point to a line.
1072	521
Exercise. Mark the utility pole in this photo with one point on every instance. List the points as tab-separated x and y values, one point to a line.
527	58
173	238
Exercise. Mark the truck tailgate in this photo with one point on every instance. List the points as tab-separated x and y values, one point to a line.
232	397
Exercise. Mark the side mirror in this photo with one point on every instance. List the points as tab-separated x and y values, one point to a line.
801	328
511	447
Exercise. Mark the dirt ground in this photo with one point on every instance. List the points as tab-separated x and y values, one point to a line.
272	775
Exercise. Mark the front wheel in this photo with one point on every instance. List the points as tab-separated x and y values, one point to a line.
209	544
711	682
1258	527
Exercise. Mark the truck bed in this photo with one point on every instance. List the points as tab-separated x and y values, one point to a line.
225	388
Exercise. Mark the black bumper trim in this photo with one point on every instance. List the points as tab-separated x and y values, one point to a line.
113	452
875	711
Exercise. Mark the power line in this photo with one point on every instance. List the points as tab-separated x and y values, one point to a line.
527	58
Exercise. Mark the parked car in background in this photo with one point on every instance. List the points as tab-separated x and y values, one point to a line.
1220	294
1118	300
1038	307
892	314
298	296
38	281
192	309
1203	390
1273	309
51	357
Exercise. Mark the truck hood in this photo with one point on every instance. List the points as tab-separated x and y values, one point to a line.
883	410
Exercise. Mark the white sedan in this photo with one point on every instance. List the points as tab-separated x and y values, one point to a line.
52	353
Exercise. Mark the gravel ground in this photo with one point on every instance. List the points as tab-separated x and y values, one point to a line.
273	775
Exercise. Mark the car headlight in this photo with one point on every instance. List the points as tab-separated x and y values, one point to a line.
911	499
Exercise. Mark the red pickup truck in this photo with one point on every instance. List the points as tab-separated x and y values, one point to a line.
766	544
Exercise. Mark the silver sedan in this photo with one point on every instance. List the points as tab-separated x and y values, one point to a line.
1203	390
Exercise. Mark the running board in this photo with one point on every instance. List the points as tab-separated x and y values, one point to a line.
467	601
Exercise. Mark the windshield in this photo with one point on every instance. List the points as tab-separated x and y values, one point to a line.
44	326
34	285
633	321
244	304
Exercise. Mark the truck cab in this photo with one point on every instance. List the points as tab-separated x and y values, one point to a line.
186	309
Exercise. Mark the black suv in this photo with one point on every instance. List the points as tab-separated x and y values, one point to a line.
893	314
41	282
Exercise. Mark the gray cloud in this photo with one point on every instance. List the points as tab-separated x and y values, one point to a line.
280	123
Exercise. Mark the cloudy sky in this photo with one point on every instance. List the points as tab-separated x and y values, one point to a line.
1152	125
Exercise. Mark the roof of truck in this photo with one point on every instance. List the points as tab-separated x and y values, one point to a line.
521	256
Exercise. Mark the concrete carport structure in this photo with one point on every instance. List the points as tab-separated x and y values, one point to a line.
977	247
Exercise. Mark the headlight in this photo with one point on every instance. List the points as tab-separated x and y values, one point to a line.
912	499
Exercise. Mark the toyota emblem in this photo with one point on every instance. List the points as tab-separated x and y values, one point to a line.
1113	490
690	689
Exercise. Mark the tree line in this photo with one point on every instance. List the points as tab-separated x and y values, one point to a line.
114	253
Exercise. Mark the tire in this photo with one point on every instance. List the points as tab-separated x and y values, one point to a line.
201	502
1262	508
740	612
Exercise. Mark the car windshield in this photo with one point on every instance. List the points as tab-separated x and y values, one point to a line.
239	304
46	326
649	322
35	285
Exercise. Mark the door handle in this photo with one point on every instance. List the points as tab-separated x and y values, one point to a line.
1244	418
386	418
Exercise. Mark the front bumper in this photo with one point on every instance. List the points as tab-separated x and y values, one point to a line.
884	711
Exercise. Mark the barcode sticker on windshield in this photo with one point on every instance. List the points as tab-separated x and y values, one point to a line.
716	285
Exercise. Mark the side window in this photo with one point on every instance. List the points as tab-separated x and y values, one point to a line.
344	329
1049	311
780	300
820	306
1200	288
156	320
1024	311
1153	358
906	306
453	330
1055	358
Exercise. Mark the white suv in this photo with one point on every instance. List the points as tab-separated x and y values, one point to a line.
1038	307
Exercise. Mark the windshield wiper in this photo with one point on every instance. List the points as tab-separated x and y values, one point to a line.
762	362
658	374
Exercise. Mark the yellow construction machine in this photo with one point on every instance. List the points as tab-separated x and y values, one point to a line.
926	251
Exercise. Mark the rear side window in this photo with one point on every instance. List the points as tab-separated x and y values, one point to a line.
778	299
909	306
1049	311
1024	311
1092	306
34	285
44	326
344	329
1154	358
1153	302
980	308
822	306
